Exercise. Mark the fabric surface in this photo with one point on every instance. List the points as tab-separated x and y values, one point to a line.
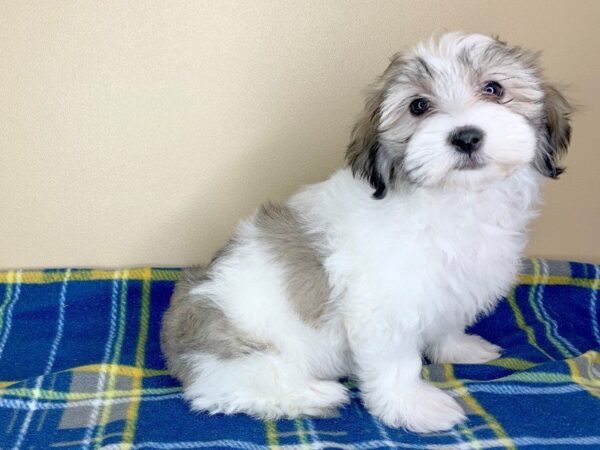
80	367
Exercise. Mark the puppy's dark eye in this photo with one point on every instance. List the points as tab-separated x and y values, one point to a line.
493	89
419	106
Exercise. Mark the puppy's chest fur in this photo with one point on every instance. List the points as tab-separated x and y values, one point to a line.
429	256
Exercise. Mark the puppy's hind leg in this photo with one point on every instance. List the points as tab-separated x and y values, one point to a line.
225	370
228	370
259	384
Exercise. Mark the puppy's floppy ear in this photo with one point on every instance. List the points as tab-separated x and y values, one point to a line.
368	155
364	154
364	150
555	134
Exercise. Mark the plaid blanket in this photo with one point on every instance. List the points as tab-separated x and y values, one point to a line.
80	367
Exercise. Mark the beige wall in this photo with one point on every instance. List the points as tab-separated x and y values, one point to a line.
140	132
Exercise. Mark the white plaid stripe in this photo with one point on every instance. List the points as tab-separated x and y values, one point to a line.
227	443
522	442
9	312
381	430
51	357
504	389
316	444
519	389
367	445
112	332
540	301
10	403
593	305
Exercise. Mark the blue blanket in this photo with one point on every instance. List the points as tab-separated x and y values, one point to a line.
80	367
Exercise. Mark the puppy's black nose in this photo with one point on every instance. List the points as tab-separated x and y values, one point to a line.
466	139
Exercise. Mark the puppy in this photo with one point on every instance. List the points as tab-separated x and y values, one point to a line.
390	258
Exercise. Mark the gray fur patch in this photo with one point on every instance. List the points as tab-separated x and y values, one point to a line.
282	231
364	152
194	324
554	135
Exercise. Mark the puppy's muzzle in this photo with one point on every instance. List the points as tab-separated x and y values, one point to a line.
466	139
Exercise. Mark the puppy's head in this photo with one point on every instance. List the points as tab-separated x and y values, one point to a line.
464	110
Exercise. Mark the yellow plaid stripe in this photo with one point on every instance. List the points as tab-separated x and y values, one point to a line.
512	363
47	394
522	324
133	409
555	280
137	274
115	369
301	432
10	279
470	401
123	370
591	383
112	379
272	435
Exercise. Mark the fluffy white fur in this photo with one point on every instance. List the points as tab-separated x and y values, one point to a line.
408	272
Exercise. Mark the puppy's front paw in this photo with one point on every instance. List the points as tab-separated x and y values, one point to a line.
465	349
422	409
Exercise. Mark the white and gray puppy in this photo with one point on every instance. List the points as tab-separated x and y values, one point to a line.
390	258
